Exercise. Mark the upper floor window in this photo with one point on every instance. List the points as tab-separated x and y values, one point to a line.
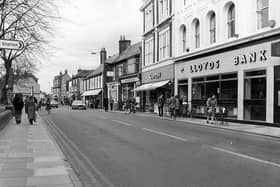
262	11
231	21
148	17
212	22
183	31
149	52
197	33
120	69
163	9
164	44
132	66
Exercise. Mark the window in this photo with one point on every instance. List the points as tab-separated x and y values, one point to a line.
197	33
149	52
131	66
149	22
163	9
120	69
184	38
164	44
212	22
262	11
231	21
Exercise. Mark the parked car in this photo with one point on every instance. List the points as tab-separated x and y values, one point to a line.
54	104
78	104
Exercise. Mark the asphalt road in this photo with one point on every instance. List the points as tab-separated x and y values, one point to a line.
114	149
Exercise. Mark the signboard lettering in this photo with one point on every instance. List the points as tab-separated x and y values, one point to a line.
250	58
11	44
156	75
206	66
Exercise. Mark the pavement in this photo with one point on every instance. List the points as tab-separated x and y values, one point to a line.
30	157
246	128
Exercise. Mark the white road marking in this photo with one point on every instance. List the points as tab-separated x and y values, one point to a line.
247	157
164	134
123	123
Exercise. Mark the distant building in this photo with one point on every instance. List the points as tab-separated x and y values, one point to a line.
59	89
27	84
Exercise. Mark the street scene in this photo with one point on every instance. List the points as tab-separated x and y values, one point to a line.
156	93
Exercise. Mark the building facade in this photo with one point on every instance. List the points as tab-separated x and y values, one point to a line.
157	53
125	68
56	89
230	49
64	79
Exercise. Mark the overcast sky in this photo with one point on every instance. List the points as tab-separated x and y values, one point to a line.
88	26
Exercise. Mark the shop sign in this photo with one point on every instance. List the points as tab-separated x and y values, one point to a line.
275	49
110	74
125	81
155	76
250	58
204	66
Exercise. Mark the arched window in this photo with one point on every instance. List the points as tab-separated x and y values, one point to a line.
184	38
212	27
231	21
262	11
197	33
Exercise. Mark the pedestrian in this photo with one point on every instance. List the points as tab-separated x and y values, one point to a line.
40	104
132	105
18	106
48	105
105	102
211	107
177	106
31	109
160	105
172	107
111	103
185	106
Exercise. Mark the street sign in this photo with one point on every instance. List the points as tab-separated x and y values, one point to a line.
11	44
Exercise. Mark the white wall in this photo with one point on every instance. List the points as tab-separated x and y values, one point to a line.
246	20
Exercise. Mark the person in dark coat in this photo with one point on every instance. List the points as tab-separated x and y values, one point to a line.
18	106
31	109
160	105
48	105
105	102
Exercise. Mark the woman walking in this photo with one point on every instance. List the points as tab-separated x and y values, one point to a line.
18	106
31	109
48	105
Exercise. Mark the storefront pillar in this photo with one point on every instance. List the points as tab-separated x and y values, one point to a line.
270	94
240	102
190	93
176	87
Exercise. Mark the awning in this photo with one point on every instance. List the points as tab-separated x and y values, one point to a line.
92	92
151	86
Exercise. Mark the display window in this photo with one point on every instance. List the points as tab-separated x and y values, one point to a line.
255	95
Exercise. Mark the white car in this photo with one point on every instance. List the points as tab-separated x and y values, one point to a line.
78	104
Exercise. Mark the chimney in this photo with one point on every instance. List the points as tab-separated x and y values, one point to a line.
103	55
123	44
66	71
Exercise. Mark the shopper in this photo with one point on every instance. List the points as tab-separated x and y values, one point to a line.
18	106
48	105
111	103
31	109
185	106
211	107
132	105
160	105
105	102
172	107
177	106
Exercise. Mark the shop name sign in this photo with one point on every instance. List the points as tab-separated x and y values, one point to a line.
204	66
155	75
135	79
250	58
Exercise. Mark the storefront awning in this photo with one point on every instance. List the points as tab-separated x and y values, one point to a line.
151	86
92	92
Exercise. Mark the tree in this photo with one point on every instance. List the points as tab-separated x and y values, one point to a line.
30	21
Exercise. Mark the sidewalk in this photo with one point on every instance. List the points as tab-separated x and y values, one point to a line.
247	128
30	157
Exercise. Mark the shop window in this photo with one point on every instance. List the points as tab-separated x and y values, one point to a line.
198	91
183	88
255	95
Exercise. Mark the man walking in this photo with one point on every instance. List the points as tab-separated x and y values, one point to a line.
211	106
160	105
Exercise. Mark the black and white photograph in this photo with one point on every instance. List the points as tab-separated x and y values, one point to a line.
139	93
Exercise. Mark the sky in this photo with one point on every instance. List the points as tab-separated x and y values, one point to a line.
86	27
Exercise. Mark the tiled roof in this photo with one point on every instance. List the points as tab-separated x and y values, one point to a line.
129	52
82	74
97	71
112	59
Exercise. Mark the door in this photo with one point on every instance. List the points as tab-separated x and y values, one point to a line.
277	94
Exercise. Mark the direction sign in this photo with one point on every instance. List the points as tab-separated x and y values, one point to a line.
11	44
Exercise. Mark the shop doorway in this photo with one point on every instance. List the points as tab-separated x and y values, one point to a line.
255	95
277	94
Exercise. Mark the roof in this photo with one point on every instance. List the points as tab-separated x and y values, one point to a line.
28	75
97	71
112	59
130	52
82	74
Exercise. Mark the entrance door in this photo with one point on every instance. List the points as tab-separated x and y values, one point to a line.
277	94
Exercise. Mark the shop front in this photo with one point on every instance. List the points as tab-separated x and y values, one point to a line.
128	86
93	98
154	83
244	78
